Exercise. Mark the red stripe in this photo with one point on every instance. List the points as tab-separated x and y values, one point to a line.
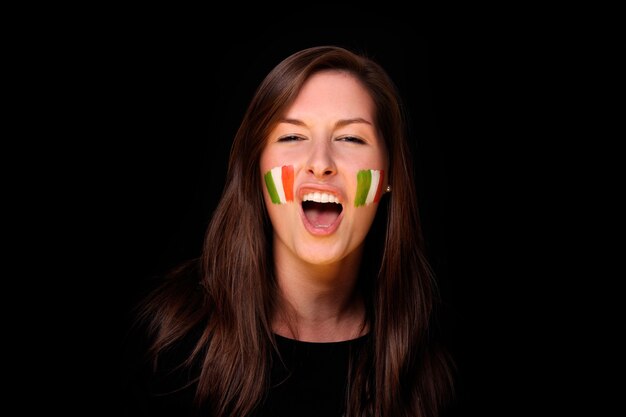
379	190
287	175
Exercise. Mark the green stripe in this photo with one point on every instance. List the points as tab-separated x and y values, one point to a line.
363	182
271	188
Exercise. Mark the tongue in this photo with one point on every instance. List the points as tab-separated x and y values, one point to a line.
321	214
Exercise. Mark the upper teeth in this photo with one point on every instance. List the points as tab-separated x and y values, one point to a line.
320	198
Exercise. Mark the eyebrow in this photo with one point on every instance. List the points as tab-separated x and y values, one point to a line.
340	123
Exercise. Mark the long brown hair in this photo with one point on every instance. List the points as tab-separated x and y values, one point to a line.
232	296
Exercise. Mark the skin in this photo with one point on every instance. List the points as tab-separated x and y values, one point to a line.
327	135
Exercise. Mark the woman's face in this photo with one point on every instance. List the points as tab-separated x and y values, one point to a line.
323	169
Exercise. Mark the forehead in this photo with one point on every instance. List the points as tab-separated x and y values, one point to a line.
332	93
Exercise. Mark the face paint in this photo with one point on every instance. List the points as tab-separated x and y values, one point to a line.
369	186
279	183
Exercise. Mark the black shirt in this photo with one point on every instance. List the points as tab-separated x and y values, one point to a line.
311	380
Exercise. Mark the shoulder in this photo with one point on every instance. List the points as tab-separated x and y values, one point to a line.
164	384
159	375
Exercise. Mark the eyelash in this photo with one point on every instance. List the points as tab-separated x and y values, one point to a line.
290	138
350	139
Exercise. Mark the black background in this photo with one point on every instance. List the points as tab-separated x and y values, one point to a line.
164	99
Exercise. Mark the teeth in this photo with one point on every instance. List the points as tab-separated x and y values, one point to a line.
320	198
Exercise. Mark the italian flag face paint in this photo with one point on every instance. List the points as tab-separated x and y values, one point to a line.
369	187
279	183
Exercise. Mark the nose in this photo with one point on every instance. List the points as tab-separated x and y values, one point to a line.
321	163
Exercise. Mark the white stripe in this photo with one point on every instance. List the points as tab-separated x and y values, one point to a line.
277	175
373	186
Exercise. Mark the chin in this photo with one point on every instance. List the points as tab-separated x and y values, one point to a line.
319	257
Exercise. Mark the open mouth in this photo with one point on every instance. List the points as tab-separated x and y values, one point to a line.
321	209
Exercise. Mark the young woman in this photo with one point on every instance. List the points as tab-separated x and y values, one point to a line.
312	295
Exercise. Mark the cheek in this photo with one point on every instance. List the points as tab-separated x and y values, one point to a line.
369	187
279	184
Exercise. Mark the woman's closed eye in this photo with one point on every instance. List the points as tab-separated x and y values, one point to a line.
351	139
290	138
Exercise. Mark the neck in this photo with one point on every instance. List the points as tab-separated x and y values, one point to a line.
318	303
